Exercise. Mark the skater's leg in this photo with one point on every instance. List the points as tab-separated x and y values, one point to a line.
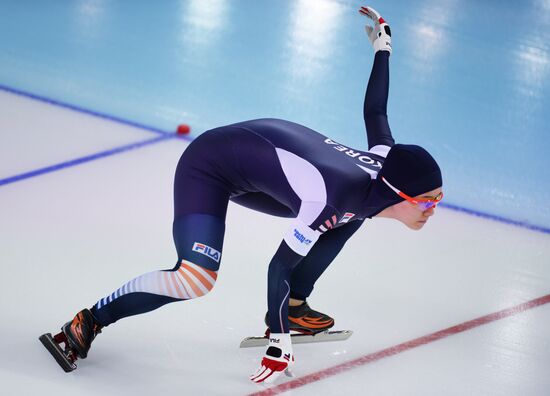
199	241
200	206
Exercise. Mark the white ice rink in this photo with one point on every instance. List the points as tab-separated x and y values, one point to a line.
71	236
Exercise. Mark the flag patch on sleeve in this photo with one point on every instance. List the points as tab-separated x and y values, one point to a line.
346	217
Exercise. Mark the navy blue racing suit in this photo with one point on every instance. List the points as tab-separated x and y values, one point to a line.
276	167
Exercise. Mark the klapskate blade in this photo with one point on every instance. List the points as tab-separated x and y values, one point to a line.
325	336
58	354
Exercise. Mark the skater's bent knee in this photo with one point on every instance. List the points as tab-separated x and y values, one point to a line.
192	281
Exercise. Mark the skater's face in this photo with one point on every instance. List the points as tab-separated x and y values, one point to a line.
413	216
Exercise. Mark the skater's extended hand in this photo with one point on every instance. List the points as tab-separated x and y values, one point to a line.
277	359
380	33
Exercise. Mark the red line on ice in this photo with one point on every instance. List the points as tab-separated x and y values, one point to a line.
394	350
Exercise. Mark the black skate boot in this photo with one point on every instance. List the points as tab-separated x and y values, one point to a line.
305	320
76	335
81	331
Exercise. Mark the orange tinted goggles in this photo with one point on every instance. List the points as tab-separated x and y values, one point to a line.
422	203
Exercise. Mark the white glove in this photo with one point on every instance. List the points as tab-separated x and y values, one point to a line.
380	34
277	359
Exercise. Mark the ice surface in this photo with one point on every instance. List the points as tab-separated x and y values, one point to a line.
72	236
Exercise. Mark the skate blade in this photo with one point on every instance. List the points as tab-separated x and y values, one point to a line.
324	336
56	351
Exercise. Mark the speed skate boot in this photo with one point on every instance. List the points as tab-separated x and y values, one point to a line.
81	331
303	319
73	341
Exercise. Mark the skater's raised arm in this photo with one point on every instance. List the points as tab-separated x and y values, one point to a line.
376	96
375	105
